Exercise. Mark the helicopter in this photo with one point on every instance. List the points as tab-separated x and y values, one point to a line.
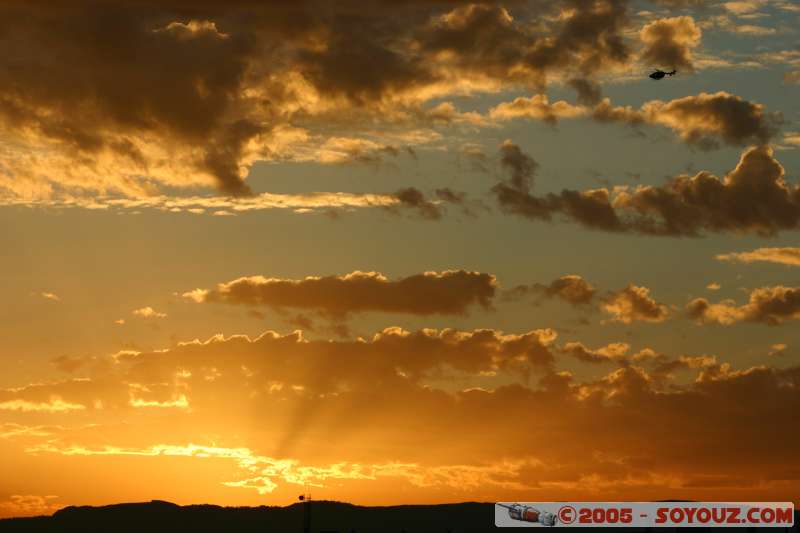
659	74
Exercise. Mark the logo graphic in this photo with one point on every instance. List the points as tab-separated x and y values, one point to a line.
526	513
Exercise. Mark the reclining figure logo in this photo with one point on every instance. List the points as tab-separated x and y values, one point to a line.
526	513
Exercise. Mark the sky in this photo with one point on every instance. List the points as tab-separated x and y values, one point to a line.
397	252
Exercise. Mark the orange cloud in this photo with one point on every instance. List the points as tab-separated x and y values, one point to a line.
634	304
148	312
602	435
669	43
767	305
784	256
28	505
536	107
54	405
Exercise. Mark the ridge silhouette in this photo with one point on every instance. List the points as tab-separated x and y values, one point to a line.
329	516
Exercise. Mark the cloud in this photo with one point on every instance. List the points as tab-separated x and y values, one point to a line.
283	365
590	208
702	119
681	3
792	77
66	363
413	198
223	91
536	107
570	288
615	352
28	505
304	203
752	29
634	304
784	256
148	312
53	405
378	391
752	198
354	150
791	138
182	96
767	305
669	43
778	349
589	92
744	7
451	292
628	305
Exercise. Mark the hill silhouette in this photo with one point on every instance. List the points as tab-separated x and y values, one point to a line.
327	516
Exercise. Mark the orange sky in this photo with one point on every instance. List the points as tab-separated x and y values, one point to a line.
404	252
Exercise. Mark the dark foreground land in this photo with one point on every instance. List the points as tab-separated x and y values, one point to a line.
327	516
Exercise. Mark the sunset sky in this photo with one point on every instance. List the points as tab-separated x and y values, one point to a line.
398	251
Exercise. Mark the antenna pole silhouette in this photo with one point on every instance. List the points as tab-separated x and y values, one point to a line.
306	499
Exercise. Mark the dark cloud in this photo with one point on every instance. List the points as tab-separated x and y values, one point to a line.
589	208
93	98
514	195
753	198
226	85
630	304
449	195
702	120
767	305
468	207
589	92
570	288
415	199
485	39
450	292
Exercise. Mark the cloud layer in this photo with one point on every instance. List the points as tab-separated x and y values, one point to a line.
379	391
226	86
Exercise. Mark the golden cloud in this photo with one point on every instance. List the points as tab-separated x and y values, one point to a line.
784	256
767	305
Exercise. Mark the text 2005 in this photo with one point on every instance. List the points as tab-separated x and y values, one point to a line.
605	516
